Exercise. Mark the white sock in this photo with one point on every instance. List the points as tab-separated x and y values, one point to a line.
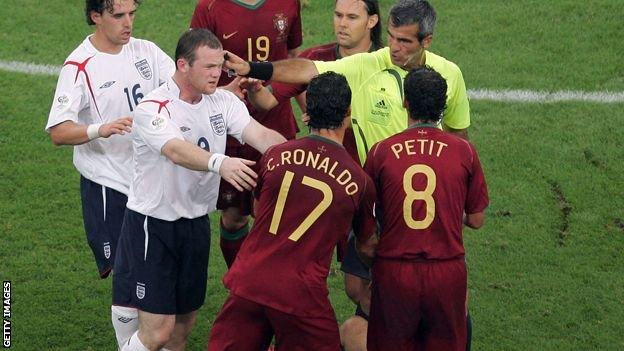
125	322
134	344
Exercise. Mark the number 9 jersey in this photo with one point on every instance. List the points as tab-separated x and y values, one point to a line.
310	192
426	180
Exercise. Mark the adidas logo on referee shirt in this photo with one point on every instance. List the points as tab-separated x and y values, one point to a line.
381	104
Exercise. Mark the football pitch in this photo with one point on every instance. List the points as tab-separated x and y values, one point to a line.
545	273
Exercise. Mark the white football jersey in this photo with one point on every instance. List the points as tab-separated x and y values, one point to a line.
160	188
96	87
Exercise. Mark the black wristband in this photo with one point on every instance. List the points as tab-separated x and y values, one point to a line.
260	70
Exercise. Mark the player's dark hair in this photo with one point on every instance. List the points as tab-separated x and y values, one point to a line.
406	12
425	93
372	8
327	100
193	39
100	6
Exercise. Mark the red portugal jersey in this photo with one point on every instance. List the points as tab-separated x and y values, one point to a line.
261	32
426	179
310	192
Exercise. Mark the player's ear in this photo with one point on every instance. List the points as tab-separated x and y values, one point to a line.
95	17
182	65
372	21
405	105
427	41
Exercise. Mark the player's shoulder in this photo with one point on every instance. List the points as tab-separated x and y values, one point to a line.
142	46
207	5
325	52
156	100
442	65
83	51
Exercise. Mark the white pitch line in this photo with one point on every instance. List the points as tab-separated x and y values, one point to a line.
546	97
520	96
29	68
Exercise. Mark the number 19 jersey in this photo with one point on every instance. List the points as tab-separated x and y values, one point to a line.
310	192
426	179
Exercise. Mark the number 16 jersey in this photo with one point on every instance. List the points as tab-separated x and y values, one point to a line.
310	192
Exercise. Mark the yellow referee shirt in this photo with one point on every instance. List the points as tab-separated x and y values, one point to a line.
377	95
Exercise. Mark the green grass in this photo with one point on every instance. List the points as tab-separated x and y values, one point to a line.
547	270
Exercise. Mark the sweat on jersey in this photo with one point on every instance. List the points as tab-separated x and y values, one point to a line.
160	188
96	87
377	94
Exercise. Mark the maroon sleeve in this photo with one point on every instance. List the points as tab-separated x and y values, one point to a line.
364	218
477	198
200	15
284	91
295	38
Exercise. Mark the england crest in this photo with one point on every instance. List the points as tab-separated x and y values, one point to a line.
140	290
144	69
218	124
107	250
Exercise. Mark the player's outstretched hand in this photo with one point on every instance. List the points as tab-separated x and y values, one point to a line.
250	85
235	63
235	88
121	126
236	171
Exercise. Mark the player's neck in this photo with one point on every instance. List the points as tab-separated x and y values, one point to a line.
188	94
102	44
335	135
363	46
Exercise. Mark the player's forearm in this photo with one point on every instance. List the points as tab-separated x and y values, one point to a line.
262	99
187	155
260	137
294	71
69	133
366	249
474	220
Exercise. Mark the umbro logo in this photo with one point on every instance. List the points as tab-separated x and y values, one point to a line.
125	319
228	36
107	84
381	104
184	129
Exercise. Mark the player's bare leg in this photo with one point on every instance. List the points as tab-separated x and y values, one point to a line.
353	334
154	332
234	229
182	329
353	330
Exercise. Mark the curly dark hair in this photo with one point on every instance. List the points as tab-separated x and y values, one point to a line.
100	6
425	93
327	100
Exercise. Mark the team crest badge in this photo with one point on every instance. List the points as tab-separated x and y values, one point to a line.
218	124
107	250
280	22
144	69
140	290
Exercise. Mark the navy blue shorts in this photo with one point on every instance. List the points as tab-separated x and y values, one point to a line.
102	212
351	262
161	266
